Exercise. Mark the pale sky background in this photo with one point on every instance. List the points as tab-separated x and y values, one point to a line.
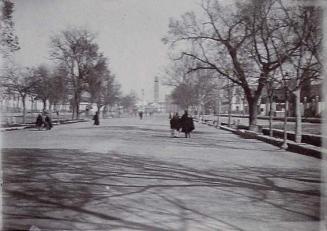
129	33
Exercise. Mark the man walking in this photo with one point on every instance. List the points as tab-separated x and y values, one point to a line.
187	124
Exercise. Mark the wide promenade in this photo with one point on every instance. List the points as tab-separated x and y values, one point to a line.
129	174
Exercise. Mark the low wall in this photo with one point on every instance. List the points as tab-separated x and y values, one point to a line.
311	139
301	148
315	140
289	119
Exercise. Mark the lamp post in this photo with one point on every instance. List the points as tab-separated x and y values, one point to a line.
218	109
304	105
270	95
285	80
317	106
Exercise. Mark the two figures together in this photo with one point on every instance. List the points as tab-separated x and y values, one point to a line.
184	124
43	120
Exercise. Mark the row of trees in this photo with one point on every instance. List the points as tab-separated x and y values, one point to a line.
196	89
86	68
253	44
78	67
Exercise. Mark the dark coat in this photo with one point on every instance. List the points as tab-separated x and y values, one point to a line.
96	119
39	121
175	123
187	124
48	122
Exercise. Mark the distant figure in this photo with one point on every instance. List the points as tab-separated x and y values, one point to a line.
187	124
39	121
47	122
141	114
174	124
96	118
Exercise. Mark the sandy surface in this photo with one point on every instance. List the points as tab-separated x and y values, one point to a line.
128	174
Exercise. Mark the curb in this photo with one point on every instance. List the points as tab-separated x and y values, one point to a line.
300	148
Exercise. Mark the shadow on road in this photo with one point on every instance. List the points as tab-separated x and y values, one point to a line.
72	189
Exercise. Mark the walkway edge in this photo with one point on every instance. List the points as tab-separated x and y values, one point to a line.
301	148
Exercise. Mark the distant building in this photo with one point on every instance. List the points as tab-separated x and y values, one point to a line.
238	101
311	101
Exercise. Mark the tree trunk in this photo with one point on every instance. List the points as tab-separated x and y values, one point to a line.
77	110
73	109
98	109
24	108
270	116
243	111
104	111
298	122
230	98
44	104
218	114
50	105
284	145
229	113
17	104
76	105
253	114
199	110
32	104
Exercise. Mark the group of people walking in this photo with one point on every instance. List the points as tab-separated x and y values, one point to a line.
177	124
184	124
43	120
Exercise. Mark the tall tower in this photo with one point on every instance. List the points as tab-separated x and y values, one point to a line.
156	89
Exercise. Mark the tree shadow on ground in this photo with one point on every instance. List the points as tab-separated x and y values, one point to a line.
72	189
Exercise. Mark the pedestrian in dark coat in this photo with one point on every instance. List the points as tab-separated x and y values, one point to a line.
141	114
47	122
39	121
187	124
96	118
174	124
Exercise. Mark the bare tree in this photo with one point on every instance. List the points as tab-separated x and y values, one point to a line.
271	87
303	66
110	92
59	90
8	39
18	80
305	62
128	102
191	89
76	49
235	42
96	79
43	84
183	95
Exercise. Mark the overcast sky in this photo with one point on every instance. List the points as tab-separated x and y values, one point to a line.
129	33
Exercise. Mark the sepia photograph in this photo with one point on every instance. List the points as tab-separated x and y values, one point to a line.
163	115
